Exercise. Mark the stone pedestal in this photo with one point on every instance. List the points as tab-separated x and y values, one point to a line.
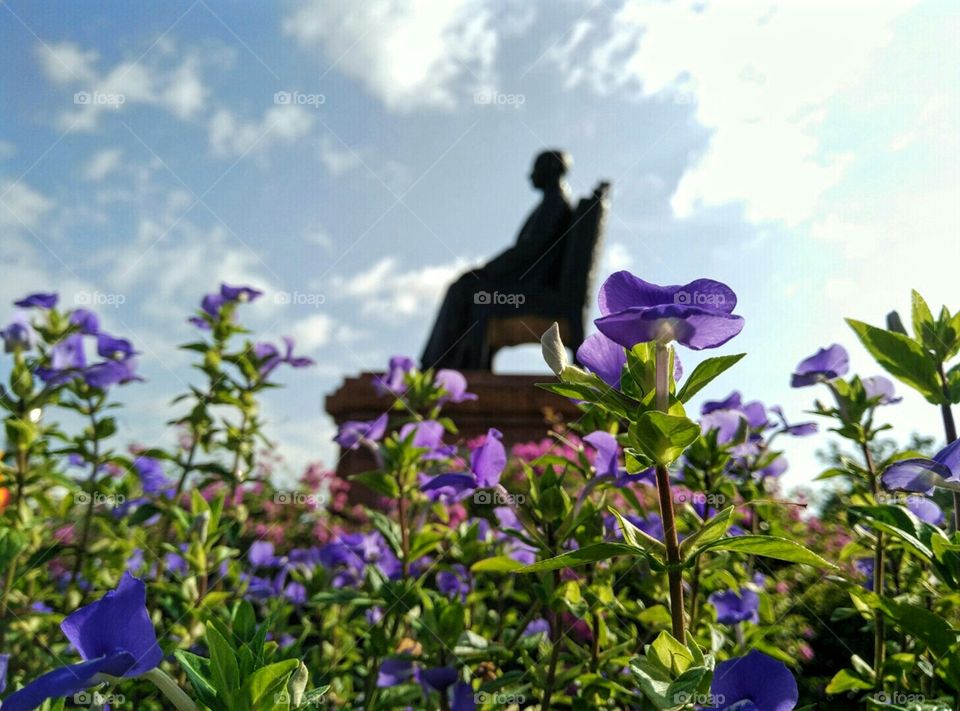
511	403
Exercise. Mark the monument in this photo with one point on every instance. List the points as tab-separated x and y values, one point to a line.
545	277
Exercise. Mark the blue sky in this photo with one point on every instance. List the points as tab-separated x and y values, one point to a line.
806	153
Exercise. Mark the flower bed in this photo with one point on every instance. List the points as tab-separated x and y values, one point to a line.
639	557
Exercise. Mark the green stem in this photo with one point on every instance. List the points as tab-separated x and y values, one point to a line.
950	430
674	569
88	514
879	622
171	690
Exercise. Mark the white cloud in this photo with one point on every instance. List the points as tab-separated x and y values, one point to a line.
102	164
389	292
408	53
152	80
21	206
337	158
761	73
67	62
231	137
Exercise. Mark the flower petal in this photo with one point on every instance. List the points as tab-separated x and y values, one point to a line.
692	326
67	681
757	679
117	621
917	475
603	357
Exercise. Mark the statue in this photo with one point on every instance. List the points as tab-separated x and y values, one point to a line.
513	279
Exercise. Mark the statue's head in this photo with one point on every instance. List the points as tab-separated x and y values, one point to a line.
549	168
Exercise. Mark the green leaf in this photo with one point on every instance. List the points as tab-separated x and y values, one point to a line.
902	357
380	482
269	683
769	547
497	564
901	523
663	437
636	538
845	680
670	654
582	556
711	530
223	664
198	671
705	372
921	316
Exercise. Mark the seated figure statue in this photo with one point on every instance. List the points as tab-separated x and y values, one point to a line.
512	278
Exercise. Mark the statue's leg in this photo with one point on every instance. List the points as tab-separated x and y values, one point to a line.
445	346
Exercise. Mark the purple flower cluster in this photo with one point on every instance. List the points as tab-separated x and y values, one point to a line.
67	359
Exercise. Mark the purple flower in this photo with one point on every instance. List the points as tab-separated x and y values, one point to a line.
755	682
242	294
114	348
603	357
86	321
698	315
881	389
864	566
436	678
922	475
261	555
113	635
40	300
111	372
66	358
925	510
825	364
775	468
394	381
733	607
454	583
607	461
270	357
394	671
454	385
537	626
428	435
152	478
487	462
18	335
352	432
296	593
801	429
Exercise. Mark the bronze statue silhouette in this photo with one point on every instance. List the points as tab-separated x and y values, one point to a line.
531	277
